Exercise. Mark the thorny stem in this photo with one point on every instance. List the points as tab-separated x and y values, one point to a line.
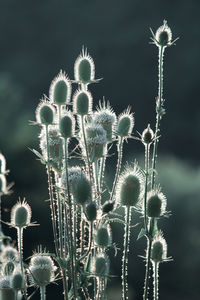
0	216
125	253
102	169
147	273
90	242
155	280
86	147
147	148
119	162
60	223
52	205
20	247
43	292
70	223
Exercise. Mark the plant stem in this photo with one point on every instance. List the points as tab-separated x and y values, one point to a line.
86	148
125	253
73	258
147	273
102	169
43	293
147	148
20	247
119	162
60	221
155	280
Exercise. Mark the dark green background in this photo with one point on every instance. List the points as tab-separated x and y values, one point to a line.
37	39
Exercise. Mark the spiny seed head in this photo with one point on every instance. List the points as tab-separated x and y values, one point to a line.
106	117
67	125
84	68
108	207
2	164
3	185
100	265
17	281
60	89
147	135
8	268
9	253
82	102
21	215
156	204
163	36
42	270
91	211
130	187
159	249
103	236
125	124
45	113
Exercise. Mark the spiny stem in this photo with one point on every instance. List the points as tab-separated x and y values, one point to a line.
147	147
125	253
20	247
147	272
102	169
86	147
119	162
73	258
0	216
60	221
155	280
43	293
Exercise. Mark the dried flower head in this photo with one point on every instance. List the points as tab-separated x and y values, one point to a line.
67	125
45	113
147	136
159	249
156	204
21	215
103	236
163	36
91	211
125	124
84	68
82	102
60	89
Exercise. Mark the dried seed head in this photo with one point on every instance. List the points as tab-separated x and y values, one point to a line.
3	185
103	236
163	36
106	117
100	265
147	135
21	215
17	281
130	187
82	102
67	125
9	253
159	249
156	204
84	68
45	113
8	268
125	124
2	164
60	89
91	211
42	270
108	207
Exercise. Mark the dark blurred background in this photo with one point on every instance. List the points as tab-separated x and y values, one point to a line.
37	39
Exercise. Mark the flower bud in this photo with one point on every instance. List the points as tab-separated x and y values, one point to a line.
159	249
163	36
147	136
156	204
21	215
17	281
45	113
103	236
60	89
130	187
67	126
2	164
82	102
100	265
84	69
91	211
125	124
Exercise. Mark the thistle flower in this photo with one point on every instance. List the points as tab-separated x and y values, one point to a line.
42	270
147	136
156	204
2	164
3	185
125	124
130	187
103	236
9	253
100	265
21	215
84	68
82	102
45	113
60	89
67	125
106	117
91	211
159	249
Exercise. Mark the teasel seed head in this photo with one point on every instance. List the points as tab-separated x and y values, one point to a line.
159	249
130	187
45	113
91	211
67	125
9	253
103	236
125	124
156	204
2	164
100	265
21	215
147	136
42	270
163	35
17	280
60	89
84	68
82	102
8	268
